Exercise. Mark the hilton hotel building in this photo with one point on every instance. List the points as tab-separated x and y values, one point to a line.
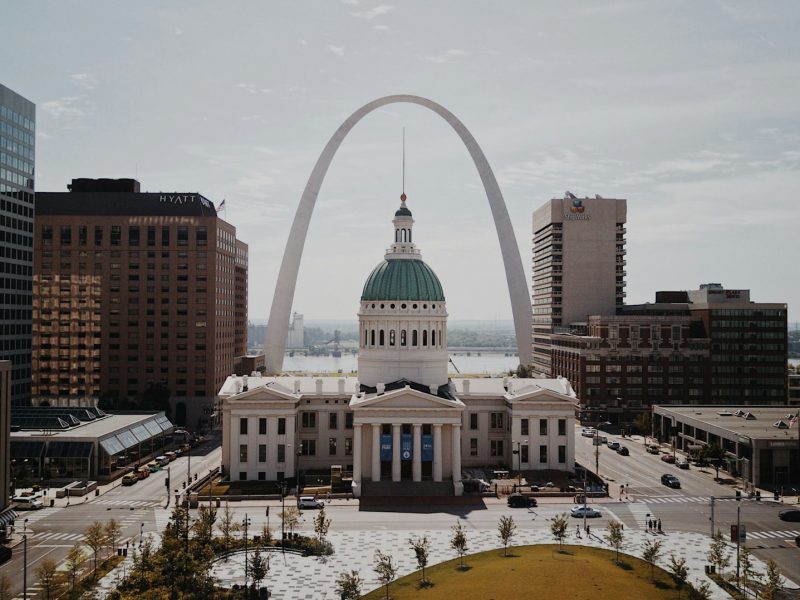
133	289
578	266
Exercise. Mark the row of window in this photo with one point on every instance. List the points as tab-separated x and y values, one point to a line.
307	448
497	449
134	238
370	338
497	421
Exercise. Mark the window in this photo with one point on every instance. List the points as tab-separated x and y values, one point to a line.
473	446
473	421
331	446
262	476
242	475
47	234
308	447
308	420
262	453
496	448
202	235
98	235
542	426
523	454
151	236
116	235
402	337
348	446
242	453
133	235
381	338
281	426
281	453
243	426
543	454
66	235
183	236
348	420
523	427
83	235
262	426
391	337
165	236
562	427
333	420
562	454
496	420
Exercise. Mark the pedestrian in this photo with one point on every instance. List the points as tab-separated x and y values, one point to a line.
588	530
659	525
577	531
649	525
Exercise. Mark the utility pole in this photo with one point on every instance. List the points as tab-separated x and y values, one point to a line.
712	516
166	483
246	523
283	516
738	537
25	559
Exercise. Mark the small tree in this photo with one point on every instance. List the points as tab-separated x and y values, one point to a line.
348	585
679	572
204	525
421	548
112	532
714	453
558	527
749	573
718	552
225	526
291	518
48	578
458	541
321	524
258	568
75	558
5	587
95	537
651	552
773	583
615	537
266	535
702	592
385	569
506	529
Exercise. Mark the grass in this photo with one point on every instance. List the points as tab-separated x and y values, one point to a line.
541	571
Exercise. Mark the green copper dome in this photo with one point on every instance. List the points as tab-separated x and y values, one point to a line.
403	279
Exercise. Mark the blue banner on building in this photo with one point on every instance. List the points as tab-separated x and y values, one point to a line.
427	448
386	447
406	446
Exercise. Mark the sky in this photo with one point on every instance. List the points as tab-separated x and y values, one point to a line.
687	109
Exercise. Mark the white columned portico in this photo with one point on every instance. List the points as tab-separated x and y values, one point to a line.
357	453
437	451
396	427
456	453
416	470
376	452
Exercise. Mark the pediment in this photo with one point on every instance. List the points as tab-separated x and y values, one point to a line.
272	392
536	395
405	399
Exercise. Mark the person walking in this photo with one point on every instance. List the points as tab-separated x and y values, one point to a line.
577	531
649	524
659	526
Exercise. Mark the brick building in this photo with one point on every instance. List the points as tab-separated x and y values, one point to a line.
133	290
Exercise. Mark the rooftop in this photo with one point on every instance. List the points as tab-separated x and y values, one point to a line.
759	424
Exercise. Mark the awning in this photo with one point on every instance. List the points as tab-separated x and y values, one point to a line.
26	449
141	433
111	445
153	428
7	517
127	438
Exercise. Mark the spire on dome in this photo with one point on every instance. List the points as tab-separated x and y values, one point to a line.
403	210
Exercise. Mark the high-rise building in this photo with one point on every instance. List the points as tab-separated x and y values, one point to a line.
578	266
17	144
7	513
137	296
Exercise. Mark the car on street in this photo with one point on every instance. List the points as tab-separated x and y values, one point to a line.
588	432
162	460
797	541
521	501
790	514
588	511
27	503
623	451
654	449
599	440
613	445
129	479
153	467
309	502
682	463
670	481
668	458
142	472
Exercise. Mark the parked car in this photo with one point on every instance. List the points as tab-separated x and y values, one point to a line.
5	554
682	463
670	481
580	511
162	460
154	467
613	445
27	503
521	501
309	502
654	449
171	456
185	447
623	451
129	479
668	458
790	514
588	432
142	473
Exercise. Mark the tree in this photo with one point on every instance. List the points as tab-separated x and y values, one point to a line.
321	524
5	587
773	583
715	453
226	526
458	541
75	558
643	423
651	552
421	548
718	552
679	572
615	536
348	585
266	535
506	529
95	537
258	568
558	527
48	578
112	532
291	518
702	592
385	569
204	525
749	573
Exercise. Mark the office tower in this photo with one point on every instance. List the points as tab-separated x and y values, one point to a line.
578	266
137	296
17	143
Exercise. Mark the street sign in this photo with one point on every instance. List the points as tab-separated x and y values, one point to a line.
741	530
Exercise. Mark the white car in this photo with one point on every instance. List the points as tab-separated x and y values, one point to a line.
613	445
27	503
588	432
309	502
591	513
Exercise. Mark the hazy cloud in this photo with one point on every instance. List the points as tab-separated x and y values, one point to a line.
450	56
337	50
68	107
85	80
370	14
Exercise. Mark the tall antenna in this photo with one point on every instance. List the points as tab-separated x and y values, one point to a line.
404	161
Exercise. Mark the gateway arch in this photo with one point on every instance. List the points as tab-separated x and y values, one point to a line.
278	324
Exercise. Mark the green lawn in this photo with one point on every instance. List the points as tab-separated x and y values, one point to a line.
541	571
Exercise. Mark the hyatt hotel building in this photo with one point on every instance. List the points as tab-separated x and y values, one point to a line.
132	290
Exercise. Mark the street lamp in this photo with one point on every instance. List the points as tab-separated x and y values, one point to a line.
518	452
283	516
141	533
245	523
25	559
297	467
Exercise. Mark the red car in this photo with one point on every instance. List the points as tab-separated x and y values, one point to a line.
668	458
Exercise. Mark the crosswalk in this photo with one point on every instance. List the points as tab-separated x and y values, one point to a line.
641	513
55	536
128	503
682	499
766	535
